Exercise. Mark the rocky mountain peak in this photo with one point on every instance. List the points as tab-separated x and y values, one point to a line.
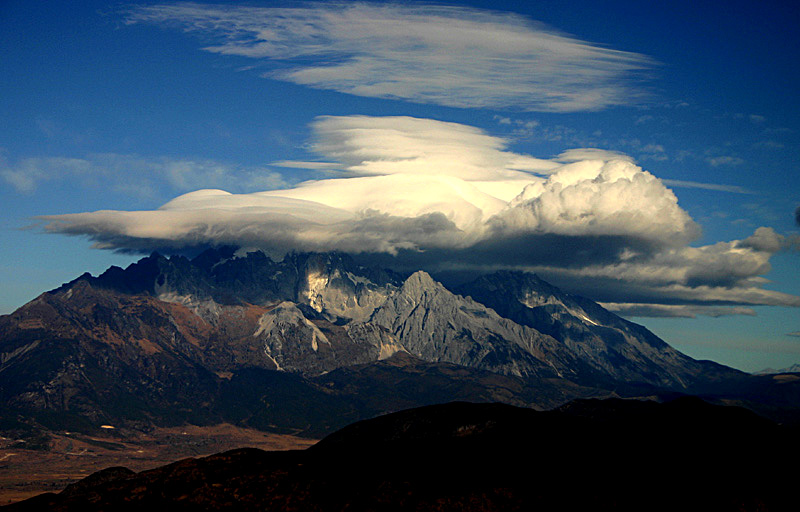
418	282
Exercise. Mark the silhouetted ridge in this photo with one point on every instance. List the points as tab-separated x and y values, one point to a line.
590	455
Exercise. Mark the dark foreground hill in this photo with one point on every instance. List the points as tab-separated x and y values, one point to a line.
588	455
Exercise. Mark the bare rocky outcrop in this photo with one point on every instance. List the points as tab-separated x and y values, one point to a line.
437	325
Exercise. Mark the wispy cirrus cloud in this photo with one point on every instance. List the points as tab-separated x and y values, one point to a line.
444	55
718	161
674	310
136	175
447	197
708	186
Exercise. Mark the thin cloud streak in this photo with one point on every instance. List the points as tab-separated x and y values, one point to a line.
443	55
300	164
708	186
136	175
674	311
724	160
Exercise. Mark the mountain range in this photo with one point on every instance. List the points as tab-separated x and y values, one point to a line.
315	341
795	368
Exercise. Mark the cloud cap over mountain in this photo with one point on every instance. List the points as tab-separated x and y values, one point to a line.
445	196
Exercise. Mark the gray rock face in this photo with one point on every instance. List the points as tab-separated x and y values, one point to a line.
296	344
616	347
328	284
439	326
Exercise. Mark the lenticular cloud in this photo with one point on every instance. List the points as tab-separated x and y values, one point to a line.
442	55
449	195
408	183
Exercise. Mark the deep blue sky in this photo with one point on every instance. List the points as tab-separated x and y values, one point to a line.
99	106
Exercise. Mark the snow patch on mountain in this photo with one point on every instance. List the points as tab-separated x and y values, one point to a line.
317	282
343	294
533	299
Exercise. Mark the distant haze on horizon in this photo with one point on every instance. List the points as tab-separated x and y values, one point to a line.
654	175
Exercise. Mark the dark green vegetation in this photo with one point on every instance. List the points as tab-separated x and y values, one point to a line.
613	454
